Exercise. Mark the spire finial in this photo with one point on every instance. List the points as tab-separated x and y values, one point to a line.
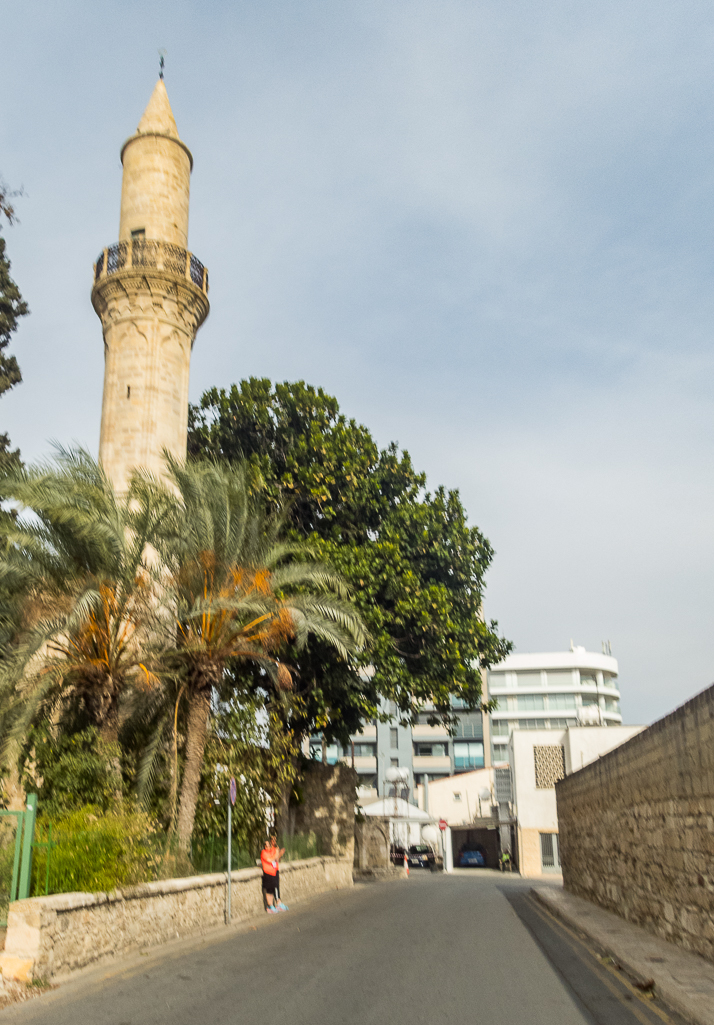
162	55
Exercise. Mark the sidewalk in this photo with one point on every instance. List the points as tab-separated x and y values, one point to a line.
684	981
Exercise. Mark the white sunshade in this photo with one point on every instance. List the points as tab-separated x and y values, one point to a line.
397	808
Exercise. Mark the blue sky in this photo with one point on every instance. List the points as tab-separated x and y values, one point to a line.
486	227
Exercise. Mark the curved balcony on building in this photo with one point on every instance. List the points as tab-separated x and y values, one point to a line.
143	253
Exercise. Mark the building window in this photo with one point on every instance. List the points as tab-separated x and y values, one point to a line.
588	680
549	765
559	724
138	233
394	762
531	702
549	852
364	750
394	739
457	796
334	753
468	756
559	678
500	753
528	680
469	726
608	681
367	782
499	727
612	705
392	708
531	724
561	702
589	700
430	750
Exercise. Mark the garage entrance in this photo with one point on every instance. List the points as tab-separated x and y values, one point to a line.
476	838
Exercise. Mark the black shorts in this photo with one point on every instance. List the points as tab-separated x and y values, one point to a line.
270	883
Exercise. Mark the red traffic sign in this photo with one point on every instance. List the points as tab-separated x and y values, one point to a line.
233	790
443	824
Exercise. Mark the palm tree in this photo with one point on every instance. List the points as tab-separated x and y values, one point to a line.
84	589
235	590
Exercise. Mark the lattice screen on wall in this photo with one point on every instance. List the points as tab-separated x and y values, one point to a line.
549	765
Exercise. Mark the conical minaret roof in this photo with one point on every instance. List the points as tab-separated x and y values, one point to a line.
158	117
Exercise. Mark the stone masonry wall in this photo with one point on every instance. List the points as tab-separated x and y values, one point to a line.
49	937
372	844
327	807
637	828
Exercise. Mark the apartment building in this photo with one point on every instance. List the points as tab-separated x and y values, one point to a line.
427	752
552	690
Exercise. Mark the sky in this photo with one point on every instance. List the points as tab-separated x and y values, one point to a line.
485	226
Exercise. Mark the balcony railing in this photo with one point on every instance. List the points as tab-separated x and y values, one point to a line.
147	252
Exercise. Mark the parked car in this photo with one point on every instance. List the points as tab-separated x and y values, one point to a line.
421	856
472	859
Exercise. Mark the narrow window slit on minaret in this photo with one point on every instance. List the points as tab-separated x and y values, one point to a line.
138	233
128	391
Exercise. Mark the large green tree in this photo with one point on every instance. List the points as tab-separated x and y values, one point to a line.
416	566
12	307
235	593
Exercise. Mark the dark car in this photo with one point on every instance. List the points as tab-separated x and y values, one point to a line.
397	854
472	859
421	856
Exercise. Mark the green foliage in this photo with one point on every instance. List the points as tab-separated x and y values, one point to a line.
415	565
70	771
94	850
251	744
81	588
12	307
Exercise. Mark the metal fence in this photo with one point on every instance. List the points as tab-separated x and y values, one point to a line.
17	831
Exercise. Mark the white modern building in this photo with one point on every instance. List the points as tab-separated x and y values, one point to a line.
552	690
538	759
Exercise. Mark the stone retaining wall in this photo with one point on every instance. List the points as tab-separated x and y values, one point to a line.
637	828
49	937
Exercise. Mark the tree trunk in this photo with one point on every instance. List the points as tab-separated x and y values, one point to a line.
199	704
109	733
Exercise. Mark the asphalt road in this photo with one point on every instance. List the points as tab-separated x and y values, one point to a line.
472	947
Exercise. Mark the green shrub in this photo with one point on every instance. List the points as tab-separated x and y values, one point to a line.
94	850
70	771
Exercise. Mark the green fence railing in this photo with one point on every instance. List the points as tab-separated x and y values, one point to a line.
17	832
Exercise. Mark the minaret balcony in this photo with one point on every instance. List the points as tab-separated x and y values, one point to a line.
140	253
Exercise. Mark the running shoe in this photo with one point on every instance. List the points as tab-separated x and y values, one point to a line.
272	911
282	907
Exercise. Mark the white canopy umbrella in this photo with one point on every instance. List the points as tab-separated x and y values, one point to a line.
397	808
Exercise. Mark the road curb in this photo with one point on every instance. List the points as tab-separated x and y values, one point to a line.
683	980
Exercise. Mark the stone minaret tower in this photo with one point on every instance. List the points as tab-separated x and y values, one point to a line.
151	295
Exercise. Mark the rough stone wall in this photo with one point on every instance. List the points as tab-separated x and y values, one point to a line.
371	844
49	937
327	808
637	828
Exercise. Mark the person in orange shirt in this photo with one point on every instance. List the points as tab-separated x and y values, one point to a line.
270	863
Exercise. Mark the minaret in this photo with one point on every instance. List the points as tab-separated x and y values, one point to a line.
151	295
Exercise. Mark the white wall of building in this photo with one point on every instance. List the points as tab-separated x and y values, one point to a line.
534	807
456	798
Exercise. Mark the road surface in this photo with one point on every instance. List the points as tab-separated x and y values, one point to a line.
467	948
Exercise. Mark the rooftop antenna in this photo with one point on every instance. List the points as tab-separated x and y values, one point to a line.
162	55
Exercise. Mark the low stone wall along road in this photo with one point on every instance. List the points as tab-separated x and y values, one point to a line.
471	947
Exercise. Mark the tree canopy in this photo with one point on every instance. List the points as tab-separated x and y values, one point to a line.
12	307
416	566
